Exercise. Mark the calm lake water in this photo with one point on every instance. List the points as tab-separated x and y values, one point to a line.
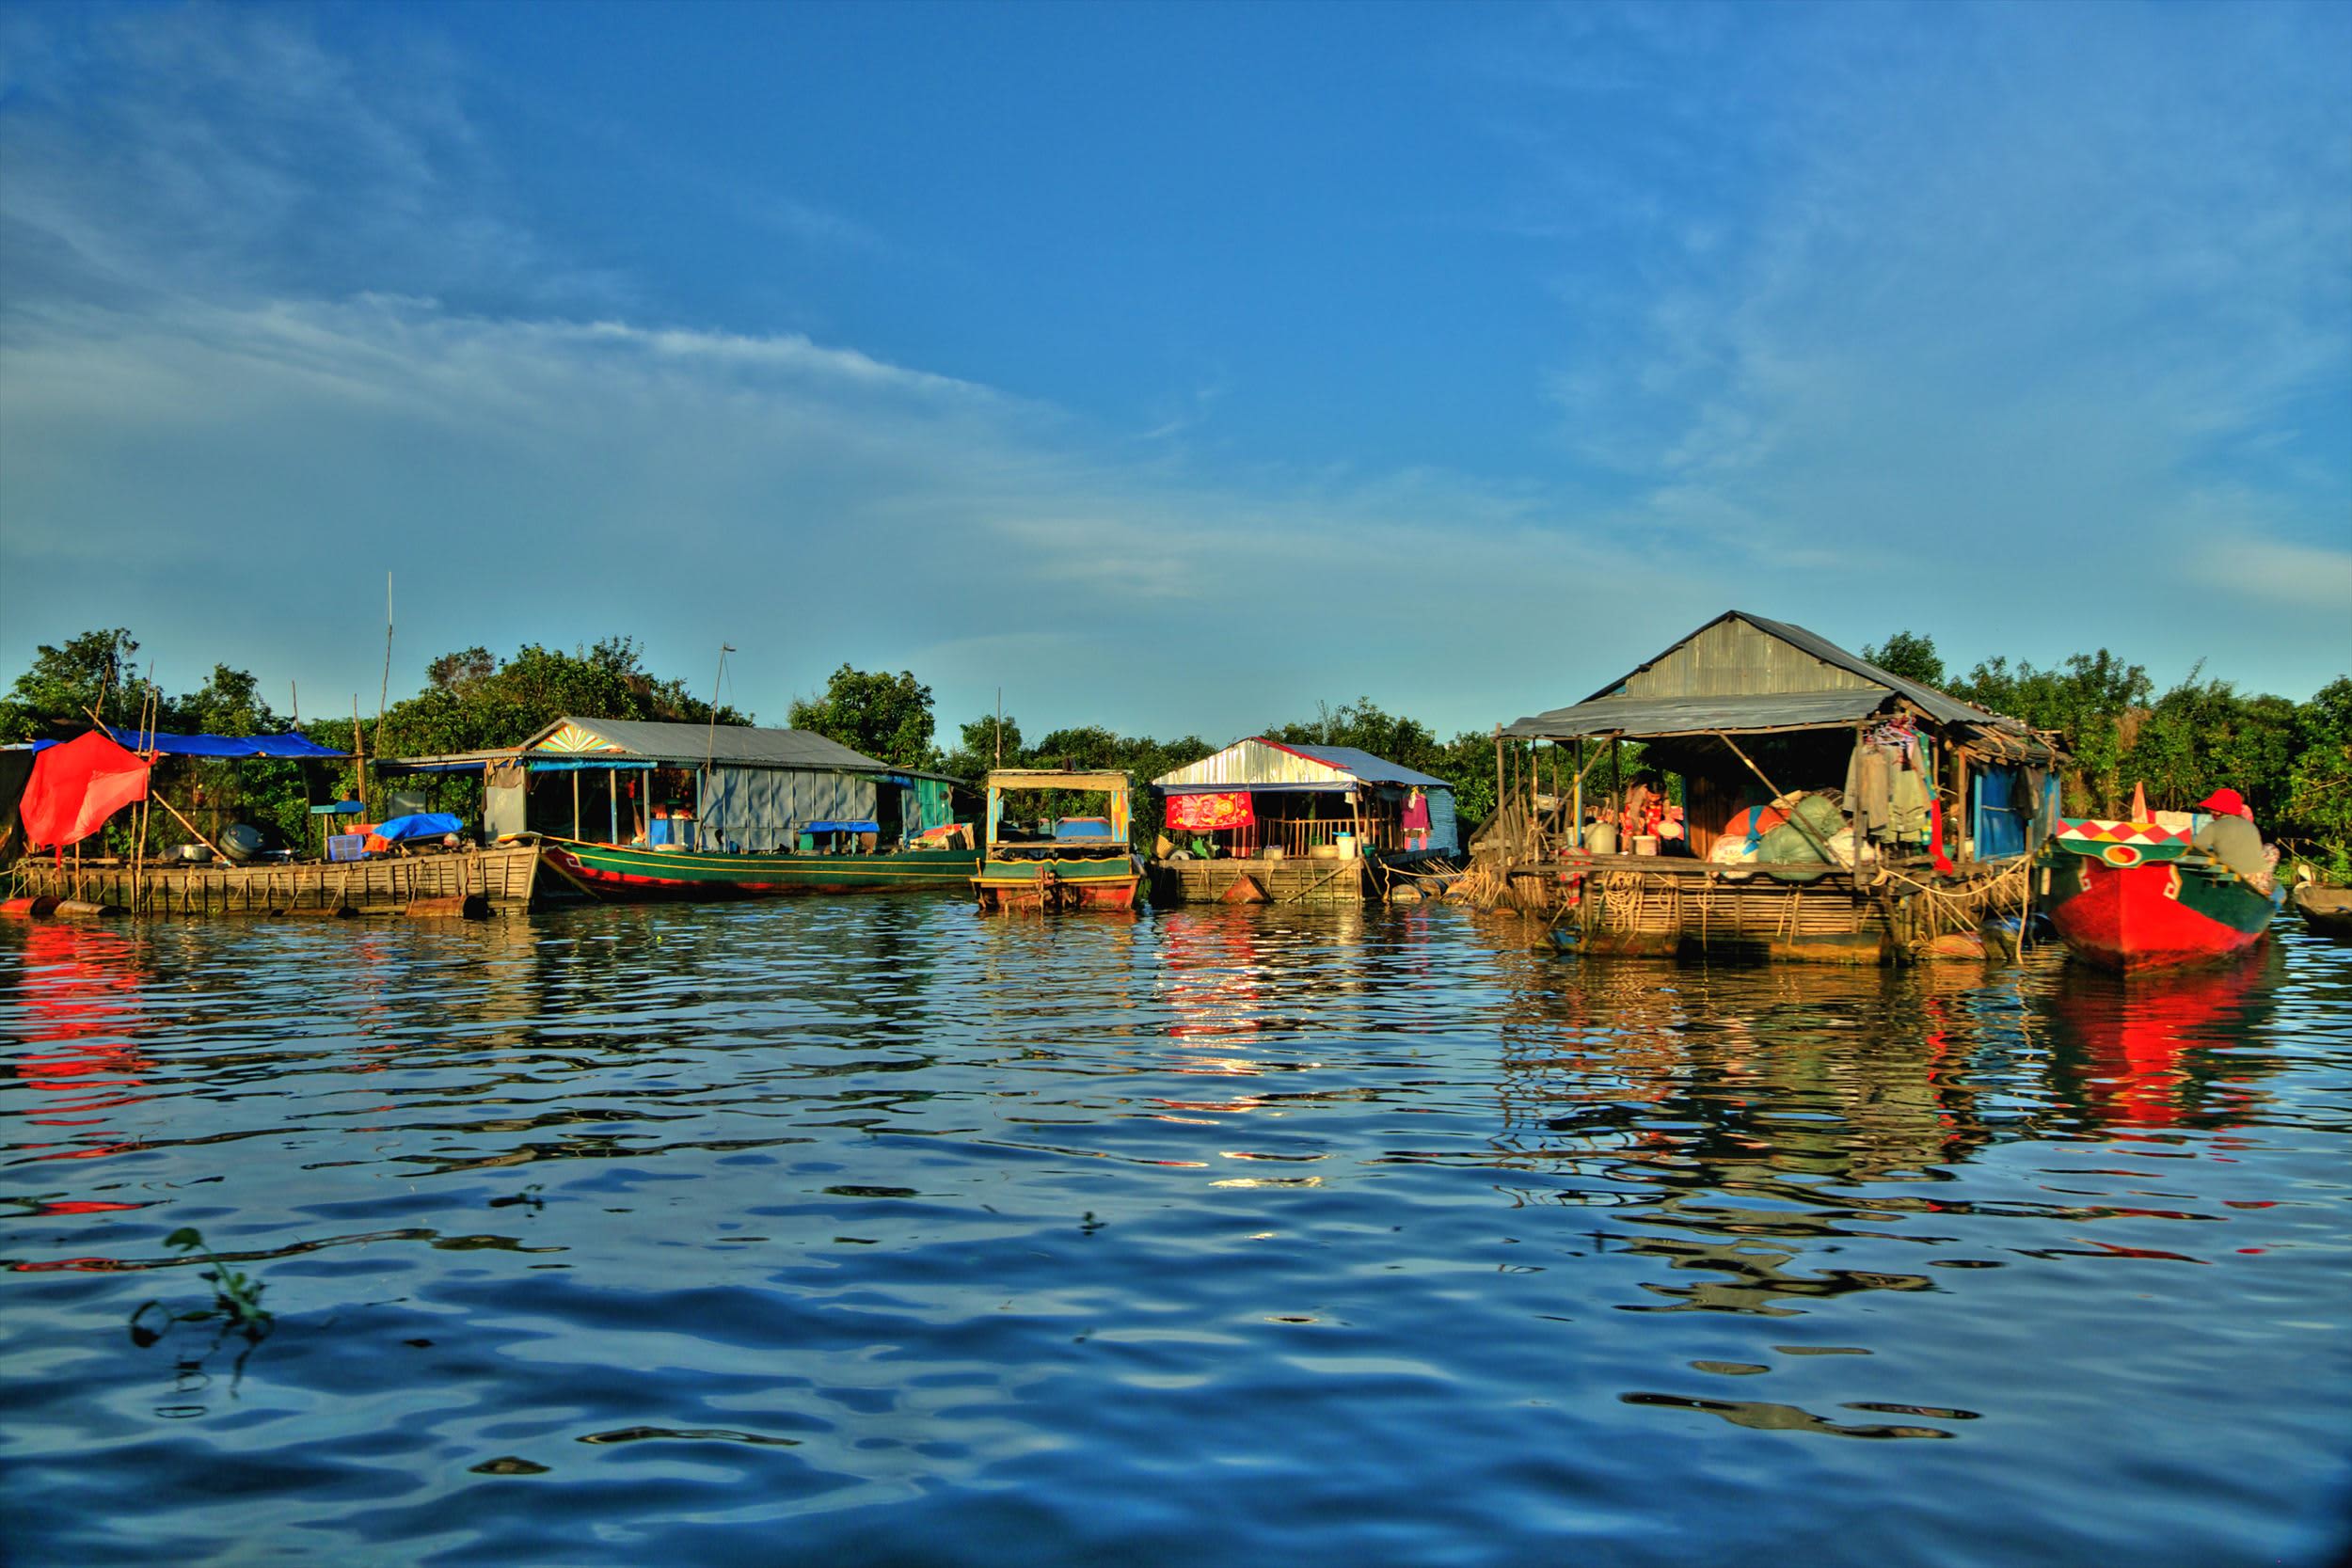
862	1230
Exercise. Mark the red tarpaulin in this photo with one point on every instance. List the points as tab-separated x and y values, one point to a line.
1227	809
76	786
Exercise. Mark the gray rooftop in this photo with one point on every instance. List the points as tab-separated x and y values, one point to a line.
1610	711
1370	769
736	744
1664	716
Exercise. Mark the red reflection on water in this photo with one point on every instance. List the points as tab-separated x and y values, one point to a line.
2139	1038
79	994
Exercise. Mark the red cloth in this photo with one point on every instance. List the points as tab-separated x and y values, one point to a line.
1415	817
1227	809
76	786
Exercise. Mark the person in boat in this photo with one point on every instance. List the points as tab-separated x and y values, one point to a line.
2227	832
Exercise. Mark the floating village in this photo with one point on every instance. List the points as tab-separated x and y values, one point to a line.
1794	802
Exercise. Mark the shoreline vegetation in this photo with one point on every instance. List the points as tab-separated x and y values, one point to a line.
2292	761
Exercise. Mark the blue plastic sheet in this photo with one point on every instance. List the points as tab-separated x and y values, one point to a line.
423	824
283	748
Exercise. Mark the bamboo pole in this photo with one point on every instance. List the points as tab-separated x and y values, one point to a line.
1499	796
1577	833
157	797
359	755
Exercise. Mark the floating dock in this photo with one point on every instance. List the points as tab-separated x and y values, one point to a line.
498	880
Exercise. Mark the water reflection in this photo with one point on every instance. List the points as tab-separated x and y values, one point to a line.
2161	1052
1174	1239
82	1012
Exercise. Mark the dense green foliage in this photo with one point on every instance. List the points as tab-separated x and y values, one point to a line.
2292	761
887	717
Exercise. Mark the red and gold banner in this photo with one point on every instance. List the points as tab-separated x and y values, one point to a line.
1226	809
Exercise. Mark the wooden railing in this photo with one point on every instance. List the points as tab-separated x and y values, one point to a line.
1299	837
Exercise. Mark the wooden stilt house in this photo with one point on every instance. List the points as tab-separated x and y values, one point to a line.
1757	786
1294	823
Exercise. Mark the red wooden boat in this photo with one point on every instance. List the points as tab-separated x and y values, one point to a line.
2138	896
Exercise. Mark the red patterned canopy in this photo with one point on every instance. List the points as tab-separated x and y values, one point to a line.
1229	808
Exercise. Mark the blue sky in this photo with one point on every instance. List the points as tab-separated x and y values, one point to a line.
1175	367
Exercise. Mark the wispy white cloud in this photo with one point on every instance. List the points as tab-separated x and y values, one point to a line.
265	303
1946	293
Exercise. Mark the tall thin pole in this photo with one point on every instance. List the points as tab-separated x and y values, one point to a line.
1000	728
710	740
383	690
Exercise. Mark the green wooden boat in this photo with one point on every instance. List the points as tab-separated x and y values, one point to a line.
628	873
1085	862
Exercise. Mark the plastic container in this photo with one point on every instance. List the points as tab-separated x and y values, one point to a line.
1345	844
1644	843
1601	838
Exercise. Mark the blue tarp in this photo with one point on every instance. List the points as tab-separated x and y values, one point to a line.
282	748
423	824
868	827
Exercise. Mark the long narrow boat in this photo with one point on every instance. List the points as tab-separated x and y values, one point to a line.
623	873
2326	910
1085	862
2138	896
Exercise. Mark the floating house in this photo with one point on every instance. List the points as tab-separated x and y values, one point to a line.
1294	823
1789	796
724	788
64	794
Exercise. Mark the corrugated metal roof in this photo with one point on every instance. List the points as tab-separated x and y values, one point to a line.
1370	769
1258	763
684	744
1936	704
1661	715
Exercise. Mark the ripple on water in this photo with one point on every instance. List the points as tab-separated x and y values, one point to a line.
1220	1236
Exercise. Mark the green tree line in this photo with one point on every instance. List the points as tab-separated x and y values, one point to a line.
2292	761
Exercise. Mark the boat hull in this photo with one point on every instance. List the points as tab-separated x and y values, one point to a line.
2153	915
2326	911
618	872
1057	886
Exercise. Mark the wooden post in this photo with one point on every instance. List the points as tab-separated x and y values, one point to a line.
358	757
1576	836
575	803
1499	770
613	783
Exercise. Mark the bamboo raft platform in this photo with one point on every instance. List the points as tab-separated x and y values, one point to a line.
471	883
1255	881
1644	906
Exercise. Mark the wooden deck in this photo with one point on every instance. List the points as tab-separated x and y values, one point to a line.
487	881
1283	881
1644	906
